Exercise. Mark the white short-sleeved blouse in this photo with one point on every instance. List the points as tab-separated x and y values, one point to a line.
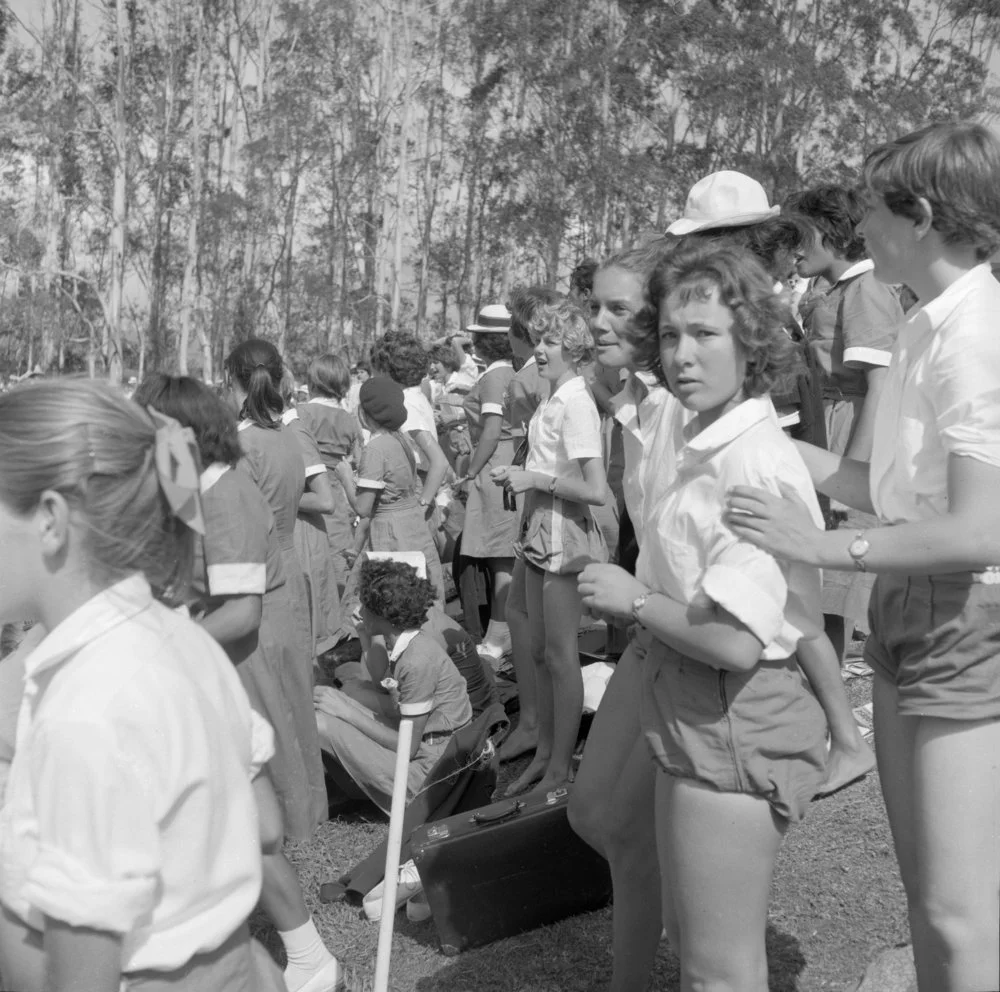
689	554
129	807
941	397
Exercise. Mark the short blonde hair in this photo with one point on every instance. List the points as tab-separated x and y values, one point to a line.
566	322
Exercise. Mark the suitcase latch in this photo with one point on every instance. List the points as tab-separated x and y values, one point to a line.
551	798
438	833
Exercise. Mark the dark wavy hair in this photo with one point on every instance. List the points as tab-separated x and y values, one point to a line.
197	406
401	357
523	302
641	331
955	166
760	315
329	376
393	591
764	240
492	347
257	367
581	279
835	212
445	354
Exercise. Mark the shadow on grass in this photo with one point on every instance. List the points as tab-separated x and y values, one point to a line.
574	956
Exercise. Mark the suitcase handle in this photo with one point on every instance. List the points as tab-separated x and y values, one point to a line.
498	816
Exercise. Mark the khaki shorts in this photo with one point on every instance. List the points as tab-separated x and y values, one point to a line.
759	732
937	637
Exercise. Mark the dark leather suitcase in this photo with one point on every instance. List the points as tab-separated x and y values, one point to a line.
506	868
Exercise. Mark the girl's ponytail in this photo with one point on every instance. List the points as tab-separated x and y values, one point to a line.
257	367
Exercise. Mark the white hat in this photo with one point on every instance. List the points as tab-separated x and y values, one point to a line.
494	318
723	199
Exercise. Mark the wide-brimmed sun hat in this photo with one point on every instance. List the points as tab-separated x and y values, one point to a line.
492	319
723	199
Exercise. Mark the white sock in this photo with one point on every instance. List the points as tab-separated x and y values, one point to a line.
306	954
497	634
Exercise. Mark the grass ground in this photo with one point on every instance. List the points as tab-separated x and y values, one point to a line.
837	901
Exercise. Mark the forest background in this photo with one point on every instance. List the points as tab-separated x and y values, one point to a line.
178	175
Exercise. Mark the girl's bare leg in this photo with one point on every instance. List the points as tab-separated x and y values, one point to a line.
941	782
524	737
562	609
718	849
612	808
543	684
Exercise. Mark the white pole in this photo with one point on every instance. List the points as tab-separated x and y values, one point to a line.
407	712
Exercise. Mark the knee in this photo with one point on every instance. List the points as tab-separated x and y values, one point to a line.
956	929
586	819
719	975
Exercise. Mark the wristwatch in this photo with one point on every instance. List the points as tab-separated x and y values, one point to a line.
857	549
552	485
637	604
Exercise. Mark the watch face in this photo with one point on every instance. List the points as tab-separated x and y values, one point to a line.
858	547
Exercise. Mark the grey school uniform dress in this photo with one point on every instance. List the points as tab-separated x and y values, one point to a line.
337	434
313	547
272	460
397	522
489	529
240	555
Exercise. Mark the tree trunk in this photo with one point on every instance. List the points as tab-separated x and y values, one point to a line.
188	287
119	205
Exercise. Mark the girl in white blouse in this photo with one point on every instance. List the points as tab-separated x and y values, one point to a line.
933	222
129	839
735	730
563	478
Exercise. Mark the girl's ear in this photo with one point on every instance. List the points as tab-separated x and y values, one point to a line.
53	516
926	221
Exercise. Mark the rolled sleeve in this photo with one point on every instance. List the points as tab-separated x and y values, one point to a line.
581	428
749	584
98	858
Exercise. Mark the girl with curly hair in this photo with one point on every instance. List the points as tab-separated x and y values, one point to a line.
563	478
361	732
723	707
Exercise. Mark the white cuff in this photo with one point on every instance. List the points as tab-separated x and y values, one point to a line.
312	470
61	887
496	408
237	579
369	484
855	357
746	600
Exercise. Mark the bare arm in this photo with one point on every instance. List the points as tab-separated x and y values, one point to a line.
437	463
592	489
838	477
488	441
860	446
965	538
346	478
708	634
234	618
318	497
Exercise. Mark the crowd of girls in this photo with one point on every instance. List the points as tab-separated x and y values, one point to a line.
186	559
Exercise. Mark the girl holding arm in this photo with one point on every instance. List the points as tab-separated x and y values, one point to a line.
933	221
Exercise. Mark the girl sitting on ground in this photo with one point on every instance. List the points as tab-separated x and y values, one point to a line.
361	730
